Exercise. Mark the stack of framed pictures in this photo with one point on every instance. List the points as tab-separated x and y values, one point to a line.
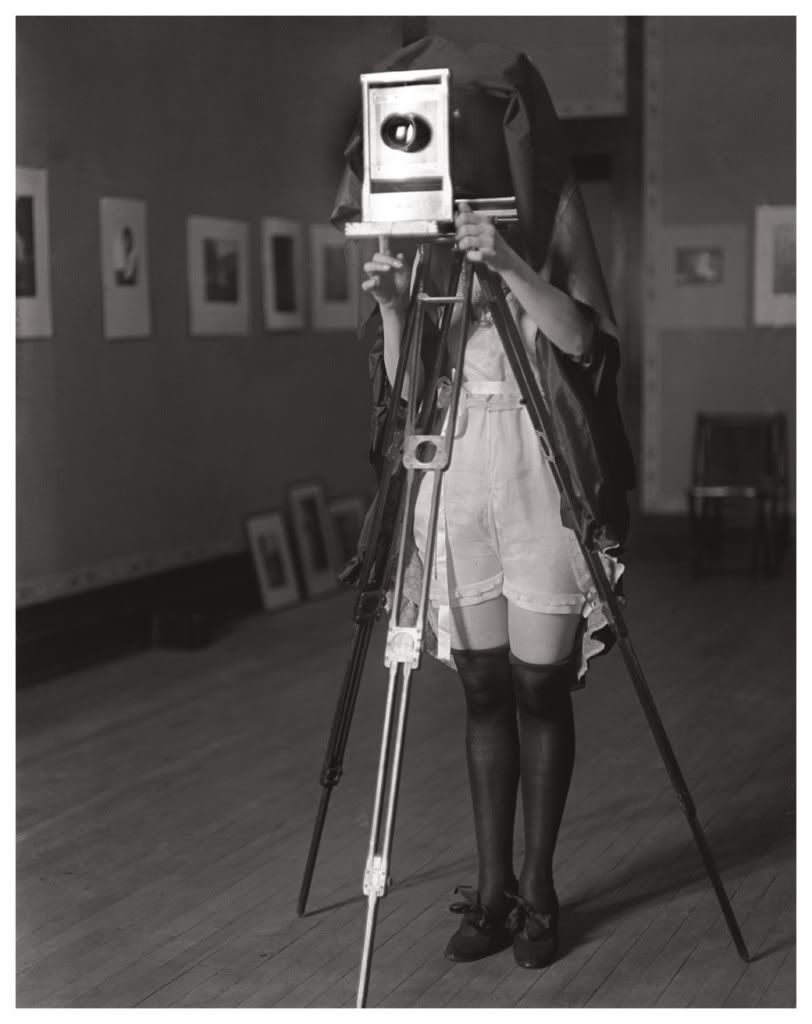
303	563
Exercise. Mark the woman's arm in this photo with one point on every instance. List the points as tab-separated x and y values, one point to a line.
552	310
388	281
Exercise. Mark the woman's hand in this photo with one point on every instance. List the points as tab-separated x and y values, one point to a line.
481	241
388	279
549	308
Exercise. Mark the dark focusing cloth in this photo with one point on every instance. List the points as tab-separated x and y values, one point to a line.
558	244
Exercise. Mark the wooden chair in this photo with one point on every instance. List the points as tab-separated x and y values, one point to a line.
740	460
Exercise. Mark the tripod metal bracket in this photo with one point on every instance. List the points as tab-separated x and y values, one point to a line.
435	452
404	645
369	605
376	878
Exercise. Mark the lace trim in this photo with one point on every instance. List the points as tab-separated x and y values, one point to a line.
593	615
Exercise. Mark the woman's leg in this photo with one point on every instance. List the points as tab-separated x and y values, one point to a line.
480	650
543	669
479	626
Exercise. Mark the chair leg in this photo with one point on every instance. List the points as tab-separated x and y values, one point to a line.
695	535
761	541
782	518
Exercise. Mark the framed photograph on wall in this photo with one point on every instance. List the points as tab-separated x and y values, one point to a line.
348	518
124	268
33	256
700	280
217	255
314	536
333	285
273	560
282	261
774	267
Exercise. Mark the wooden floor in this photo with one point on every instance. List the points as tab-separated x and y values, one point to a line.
165	804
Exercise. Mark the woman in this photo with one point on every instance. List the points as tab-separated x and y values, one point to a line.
515	601
514	609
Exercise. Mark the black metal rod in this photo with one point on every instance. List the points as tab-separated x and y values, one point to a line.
542	423
377	564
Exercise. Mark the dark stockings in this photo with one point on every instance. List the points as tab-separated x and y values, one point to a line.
547	740
492	753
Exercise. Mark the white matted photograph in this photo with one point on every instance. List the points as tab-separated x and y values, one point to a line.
701	279
33	257
124	268
273	560
217	257
333	298
774	267
283	282
315	537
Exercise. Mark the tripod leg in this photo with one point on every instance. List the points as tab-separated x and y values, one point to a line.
404	644
544	427
377	878
375	571
334	758
675	775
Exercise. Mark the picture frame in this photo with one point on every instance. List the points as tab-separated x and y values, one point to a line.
314	536
347	515
274	564
124	268
333	288
33	255
701	279
774	267
283	283
217	261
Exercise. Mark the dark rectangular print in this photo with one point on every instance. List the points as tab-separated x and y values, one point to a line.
335	274
700	266
26	276
284	273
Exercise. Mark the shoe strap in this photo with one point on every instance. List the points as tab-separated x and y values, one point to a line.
525	907
476	913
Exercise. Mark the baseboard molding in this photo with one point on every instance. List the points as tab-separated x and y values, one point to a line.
72	632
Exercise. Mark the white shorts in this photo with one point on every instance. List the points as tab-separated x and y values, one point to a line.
501	506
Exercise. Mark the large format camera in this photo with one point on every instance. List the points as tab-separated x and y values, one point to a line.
427	145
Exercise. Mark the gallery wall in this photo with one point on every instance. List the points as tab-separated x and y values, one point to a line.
719	141
140	454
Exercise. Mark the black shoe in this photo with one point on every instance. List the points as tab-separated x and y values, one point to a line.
483	930
535	942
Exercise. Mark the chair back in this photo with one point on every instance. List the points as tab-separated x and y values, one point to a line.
741	451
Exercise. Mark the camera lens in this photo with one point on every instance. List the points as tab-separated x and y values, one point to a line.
407	132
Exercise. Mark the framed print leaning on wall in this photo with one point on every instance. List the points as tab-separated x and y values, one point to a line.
332	281
217	255
315	537
33	257
282	261
774	267
124	268
273	560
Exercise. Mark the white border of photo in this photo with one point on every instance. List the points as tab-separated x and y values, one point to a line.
125	307
327	314
34	315
208	317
